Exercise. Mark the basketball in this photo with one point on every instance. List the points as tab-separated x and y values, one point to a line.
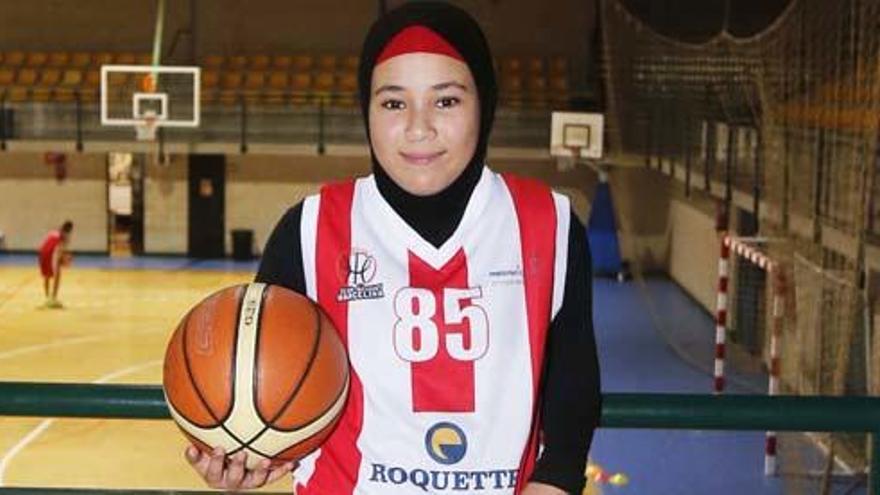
259	368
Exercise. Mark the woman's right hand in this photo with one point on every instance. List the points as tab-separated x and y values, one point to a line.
230	473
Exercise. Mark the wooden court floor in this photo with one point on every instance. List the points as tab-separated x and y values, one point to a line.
113	329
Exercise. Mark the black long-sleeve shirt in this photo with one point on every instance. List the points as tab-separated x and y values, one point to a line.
570	402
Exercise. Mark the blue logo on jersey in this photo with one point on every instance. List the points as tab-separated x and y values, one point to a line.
446	443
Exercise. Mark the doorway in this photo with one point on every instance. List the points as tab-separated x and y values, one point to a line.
207	193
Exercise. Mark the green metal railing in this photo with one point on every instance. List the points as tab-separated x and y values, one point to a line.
658	411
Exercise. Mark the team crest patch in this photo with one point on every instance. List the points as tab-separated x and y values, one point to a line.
357	271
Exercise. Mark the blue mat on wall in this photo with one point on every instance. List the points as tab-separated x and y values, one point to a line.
602	234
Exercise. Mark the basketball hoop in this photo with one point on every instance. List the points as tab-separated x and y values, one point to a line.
146	129
569	161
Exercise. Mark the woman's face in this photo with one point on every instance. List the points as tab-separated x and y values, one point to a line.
424	120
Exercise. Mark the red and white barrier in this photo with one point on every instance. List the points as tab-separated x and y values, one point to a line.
731	245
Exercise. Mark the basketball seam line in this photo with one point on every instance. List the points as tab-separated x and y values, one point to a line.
319	329
220	424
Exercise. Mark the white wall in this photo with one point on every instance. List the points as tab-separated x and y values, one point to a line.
166	200
694	251
32	201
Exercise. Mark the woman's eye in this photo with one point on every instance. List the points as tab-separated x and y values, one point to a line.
447	102
392	105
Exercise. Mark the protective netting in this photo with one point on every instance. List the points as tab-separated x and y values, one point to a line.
782	124
791	111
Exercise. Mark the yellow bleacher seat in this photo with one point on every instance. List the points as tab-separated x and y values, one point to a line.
209	84
558	66
210	79
50	77
7	76
213	62
93	79
535	65
36	59
27	77
303	63
230	87
276	87
282	62
536	83
559	83
80	60
46	81
18	93
327	63
346	88
511	90
71	79
301	81
325	81
324	86
301	84
231	80
59	59
511	66
13	59
511	84
350	63
260	62
126	59
104	58
237	62
254	82
88	95
347	81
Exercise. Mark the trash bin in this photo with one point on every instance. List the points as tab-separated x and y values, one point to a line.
242	244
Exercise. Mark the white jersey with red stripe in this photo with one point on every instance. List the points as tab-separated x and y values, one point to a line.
446	344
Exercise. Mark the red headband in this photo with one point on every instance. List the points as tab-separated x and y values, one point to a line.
417	39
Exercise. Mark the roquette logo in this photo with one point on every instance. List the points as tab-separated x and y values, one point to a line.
446	443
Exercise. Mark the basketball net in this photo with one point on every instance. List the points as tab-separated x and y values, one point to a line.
568	162
146	130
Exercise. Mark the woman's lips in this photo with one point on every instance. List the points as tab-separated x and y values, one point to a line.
421	158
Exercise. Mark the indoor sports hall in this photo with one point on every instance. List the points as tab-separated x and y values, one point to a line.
723	157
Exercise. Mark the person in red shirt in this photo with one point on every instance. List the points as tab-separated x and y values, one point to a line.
53	255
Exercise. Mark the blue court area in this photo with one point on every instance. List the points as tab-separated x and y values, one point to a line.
652	337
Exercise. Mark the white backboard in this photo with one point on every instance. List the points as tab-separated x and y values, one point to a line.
576	132
172	98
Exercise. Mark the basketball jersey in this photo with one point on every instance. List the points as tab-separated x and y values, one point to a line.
50	242
446	344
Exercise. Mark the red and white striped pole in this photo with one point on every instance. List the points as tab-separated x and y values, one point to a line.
775	275
779	289
721	313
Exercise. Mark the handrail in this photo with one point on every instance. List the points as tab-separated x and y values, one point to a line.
660	411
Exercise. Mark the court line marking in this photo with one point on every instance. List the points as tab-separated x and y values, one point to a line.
16	288
46	423
65	342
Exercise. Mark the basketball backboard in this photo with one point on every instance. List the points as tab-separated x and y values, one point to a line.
576	135
144	95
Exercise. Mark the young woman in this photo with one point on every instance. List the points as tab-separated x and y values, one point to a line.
463	296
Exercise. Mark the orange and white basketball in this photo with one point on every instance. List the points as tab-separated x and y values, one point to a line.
259	368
